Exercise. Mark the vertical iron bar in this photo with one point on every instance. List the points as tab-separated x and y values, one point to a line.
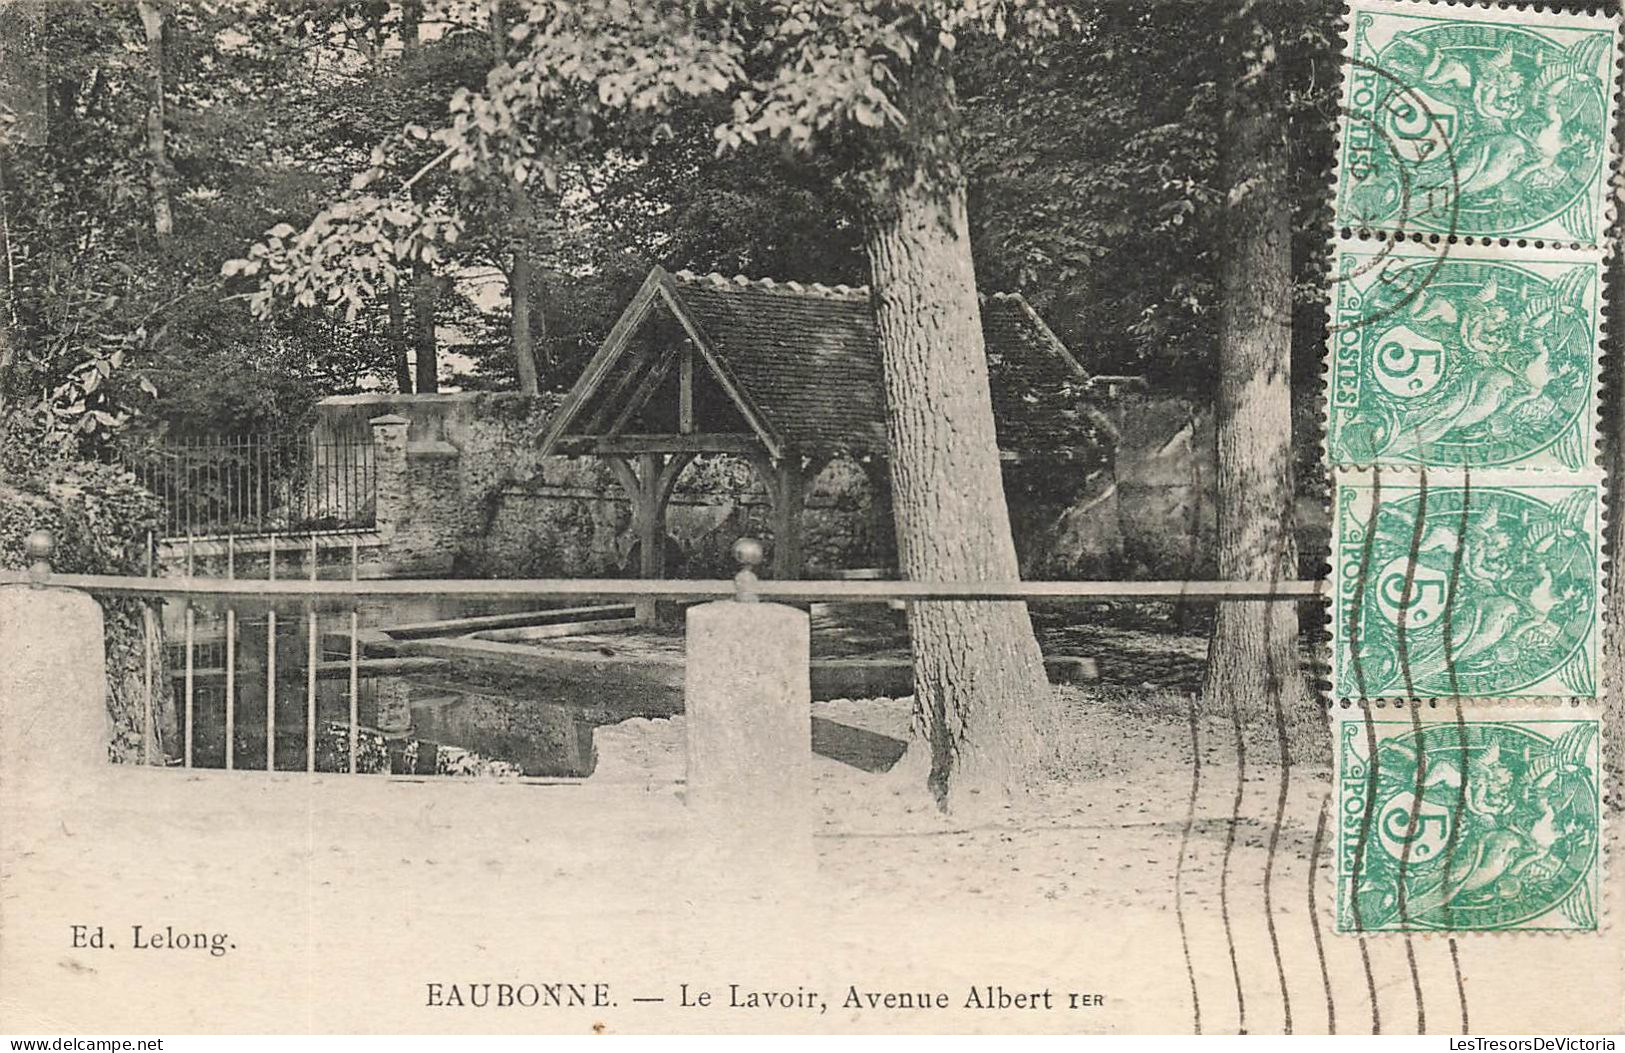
191	633
310	674
270	673
149	639
250	494
231	659
254	482
347	472
355	661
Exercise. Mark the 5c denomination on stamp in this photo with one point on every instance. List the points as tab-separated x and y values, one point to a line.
1483	585
1486	121
1487	820
1457	355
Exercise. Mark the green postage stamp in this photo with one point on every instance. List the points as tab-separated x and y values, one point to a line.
1470	584
1464	356
1468	120
1482	819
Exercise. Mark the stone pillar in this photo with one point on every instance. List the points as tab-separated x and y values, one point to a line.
394	708
389	472
748	704
54	726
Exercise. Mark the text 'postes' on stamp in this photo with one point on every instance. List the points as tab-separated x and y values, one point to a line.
1492	122
1479	821
1450	585
1464	356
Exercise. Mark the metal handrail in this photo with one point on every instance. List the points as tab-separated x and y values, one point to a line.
703	589
262	593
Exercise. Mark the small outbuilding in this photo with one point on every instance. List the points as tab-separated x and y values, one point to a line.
786	375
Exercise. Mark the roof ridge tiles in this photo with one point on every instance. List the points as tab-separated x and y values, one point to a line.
792	286
740	281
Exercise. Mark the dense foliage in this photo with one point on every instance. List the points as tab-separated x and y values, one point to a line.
101	521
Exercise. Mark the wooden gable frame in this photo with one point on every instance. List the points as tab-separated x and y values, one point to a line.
657	287
1054	341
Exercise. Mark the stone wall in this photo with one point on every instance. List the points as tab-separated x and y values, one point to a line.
571	518
468	495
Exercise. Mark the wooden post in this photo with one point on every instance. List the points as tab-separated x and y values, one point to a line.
685	396
651	536
787	502
642	485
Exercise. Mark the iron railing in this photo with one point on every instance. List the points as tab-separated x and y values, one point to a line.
258	484
211	689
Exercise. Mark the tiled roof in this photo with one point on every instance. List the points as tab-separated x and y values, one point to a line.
808	357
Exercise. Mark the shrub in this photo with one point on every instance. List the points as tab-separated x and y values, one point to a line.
100	519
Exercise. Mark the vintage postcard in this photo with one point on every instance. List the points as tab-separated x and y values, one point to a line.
896	517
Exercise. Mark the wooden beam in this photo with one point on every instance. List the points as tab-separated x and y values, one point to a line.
685	397
741	443
645	390
787	520
605	357
651	538
667	480
650	520
1059	349
613	398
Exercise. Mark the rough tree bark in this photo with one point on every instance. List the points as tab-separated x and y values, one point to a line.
399	343
425	291
520	288
1253	652
981	696
520	280
152	21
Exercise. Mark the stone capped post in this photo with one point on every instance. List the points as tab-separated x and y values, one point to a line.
748	707
389	468
54	725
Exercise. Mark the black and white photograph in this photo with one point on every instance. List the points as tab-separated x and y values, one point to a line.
810	517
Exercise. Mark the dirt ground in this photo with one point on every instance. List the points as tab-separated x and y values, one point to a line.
344	898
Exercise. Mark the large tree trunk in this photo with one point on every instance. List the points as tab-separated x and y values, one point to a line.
425	291
152	20
981	697
519	276
399	341
519	290
1253	653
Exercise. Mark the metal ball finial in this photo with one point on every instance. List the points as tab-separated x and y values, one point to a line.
39	546
748	551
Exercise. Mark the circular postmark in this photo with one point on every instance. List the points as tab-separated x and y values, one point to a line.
1522	109
1374	168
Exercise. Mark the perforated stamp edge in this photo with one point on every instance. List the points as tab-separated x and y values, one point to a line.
1356	266
1450	711
1535	16
1347	483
